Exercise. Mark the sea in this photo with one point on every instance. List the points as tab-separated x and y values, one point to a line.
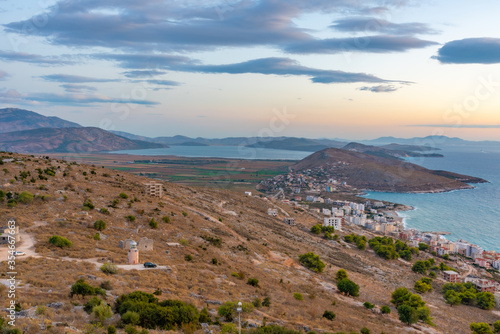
472	215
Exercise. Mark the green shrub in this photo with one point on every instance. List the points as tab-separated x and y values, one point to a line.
123	195
83	289
88	204
100	225
130	218
298	296
266	302
316	229
109	268
105	212
253	282
97	236
184	213
166	219
341	274
257	302
25	197
111	329
312	261
329	315
153	223
365	330
348	287
59	241
368	305
385	309
188	257
131	317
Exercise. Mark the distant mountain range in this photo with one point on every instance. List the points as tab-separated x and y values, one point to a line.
25	131
371	172
19	122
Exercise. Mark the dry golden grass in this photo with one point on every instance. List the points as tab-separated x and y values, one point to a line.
253	243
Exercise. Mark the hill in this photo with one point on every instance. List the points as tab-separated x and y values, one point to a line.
379	173
13	119
294	144
207	244
389	151
81	139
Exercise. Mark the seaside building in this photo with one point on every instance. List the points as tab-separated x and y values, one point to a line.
336	222
289	221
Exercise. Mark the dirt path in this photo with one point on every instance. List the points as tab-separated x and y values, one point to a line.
27	245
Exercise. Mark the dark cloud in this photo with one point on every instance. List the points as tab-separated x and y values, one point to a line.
74	88
34	59
267	66
3	75
375	25
374	44
13	96
470	51
284	67
380	88
69	78
143	73
155	25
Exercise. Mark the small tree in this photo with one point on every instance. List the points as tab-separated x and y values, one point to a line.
266	302
253	282
102	312
496	326
480	328
419	267
452	298
365	330
368	305
407	314
312	261
131	317
385	309
348	287
316	229
341	274
100	225
485	300
329	315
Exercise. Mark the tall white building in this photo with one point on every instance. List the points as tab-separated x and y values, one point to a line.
336	222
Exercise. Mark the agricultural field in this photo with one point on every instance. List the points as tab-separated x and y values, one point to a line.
232	174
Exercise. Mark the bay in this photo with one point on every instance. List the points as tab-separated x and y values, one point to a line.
472	215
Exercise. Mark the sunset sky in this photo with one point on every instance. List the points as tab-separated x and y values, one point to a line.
219	68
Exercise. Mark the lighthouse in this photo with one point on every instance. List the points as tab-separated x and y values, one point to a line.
133	253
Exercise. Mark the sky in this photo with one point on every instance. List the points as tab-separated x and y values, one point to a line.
220	68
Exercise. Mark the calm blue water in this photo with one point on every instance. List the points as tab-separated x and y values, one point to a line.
472	215
234	152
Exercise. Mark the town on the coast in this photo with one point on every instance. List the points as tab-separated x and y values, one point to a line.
315	191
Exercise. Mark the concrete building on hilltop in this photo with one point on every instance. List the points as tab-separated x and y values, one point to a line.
154	189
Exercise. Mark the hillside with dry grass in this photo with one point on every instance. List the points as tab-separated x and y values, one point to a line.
207	244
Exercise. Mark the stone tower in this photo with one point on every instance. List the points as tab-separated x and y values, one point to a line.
133	253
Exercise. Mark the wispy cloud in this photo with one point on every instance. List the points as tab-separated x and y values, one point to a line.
69	78
74	88
143	73
379	88
13	96
376	25
34	59
372	44
470	51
